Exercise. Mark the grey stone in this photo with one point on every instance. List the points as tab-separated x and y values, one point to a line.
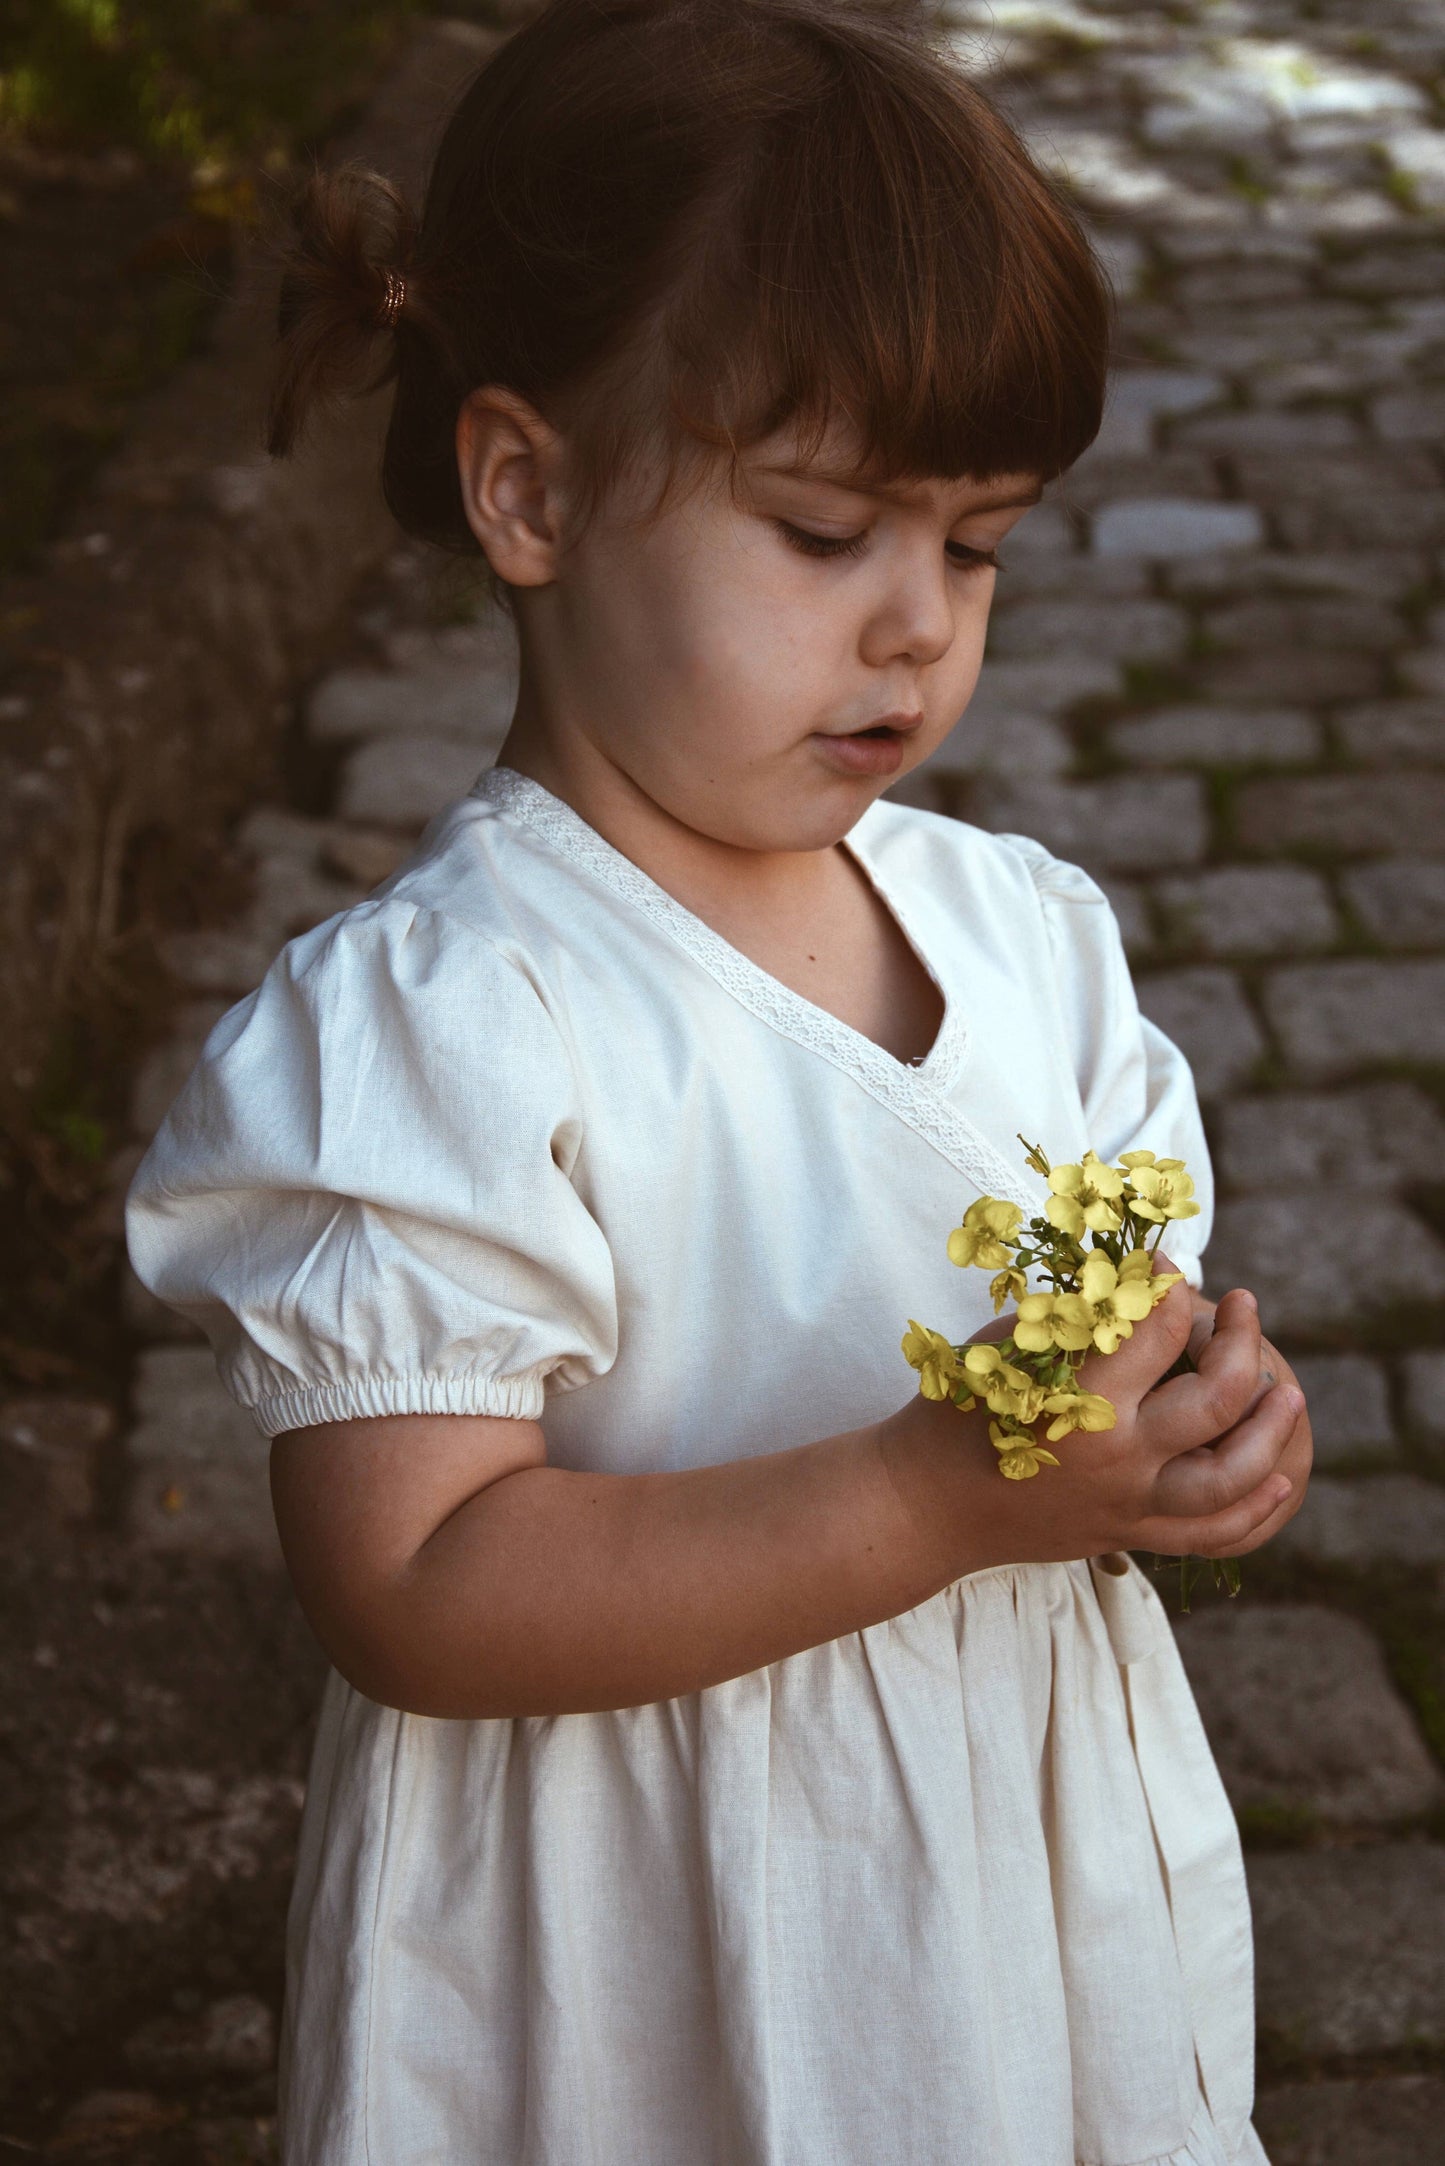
233	2037
1301	1713
1043	688
167	1066
1332	622
1136	823
1097	479
1424	671
1206	1014
1386	575
1404	811
1310	428
1109	578
1291	673
1352	2121
984	741
1348	1948
1130	906
1300	1252
200	1464
1376	1137
1389	732
1218	737
1137	396
1332	1017
1145	631
188	1832
1249	910
1392	272
1163	528
216	960
401	781
1349	1405
1415	416
1212	285
1400	901
471	702
1369	1519
1425	1394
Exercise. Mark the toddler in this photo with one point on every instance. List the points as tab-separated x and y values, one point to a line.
721	1765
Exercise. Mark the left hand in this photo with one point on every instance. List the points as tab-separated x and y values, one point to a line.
1298	1453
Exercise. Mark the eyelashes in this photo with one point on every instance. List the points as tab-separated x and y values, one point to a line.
827	546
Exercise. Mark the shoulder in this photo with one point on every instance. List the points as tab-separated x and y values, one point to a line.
956	860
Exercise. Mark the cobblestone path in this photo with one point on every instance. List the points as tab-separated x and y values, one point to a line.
1216	677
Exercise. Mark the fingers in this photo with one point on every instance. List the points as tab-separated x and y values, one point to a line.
1192	1410
1211	1479
1156	1344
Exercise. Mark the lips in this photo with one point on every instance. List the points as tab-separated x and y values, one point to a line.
896	725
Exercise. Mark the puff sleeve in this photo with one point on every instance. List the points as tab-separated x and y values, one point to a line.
364	1193
1136	1086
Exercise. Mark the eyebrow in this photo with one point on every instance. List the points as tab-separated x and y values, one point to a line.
843	480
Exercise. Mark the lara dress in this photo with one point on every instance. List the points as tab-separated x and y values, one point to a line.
522	1136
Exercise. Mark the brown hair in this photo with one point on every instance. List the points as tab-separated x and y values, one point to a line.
721	217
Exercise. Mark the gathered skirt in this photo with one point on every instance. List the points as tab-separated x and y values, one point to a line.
961	1889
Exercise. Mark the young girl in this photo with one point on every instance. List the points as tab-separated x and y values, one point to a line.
721	1766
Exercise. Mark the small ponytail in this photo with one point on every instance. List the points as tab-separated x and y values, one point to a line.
344	286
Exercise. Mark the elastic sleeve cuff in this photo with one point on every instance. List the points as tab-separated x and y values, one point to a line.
363	1398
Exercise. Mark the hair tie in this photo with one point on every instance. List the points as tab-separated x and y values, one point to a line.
393	300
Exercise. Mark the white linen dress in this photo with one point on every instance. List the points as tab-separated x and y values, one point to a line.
522	1136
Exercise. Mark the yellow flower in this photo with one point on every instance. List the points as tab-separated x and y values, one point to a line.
1019	1458
1118	1304
939	1373
1010	1285
1087	1410
1139	1264
1163	1190
1054	1319
1084	1195
989	1227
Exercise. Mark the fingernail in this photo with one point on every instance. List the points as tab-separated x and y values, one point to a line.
1246	1295
1294	1399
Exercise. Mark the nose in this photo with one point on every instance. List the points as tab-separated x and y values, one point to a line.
915	621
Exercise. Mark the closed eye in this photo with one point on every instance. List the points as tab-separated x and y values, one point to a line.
808	544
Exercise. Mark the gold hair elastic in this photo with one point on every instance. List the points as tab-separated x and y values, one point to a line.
393	300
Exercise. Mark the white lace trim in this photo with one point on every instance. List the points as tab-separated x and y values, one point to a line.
911	1093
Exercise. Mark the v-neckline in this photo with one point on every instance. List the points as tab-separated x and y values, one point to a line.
912	1089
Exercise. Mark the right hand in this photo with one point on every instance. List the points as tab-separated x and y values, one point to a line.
1193	1466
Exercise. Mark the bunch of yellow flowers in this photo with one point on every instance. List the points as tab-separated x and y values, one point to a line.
1092	1298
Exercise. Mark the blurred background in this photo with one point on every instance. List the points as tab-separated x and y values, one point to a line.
230	695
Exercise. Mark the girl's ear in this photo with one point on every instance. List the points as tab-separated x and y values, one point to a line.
509	461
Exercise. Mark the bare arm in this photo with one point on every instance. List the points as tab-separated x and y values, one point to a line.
448	1570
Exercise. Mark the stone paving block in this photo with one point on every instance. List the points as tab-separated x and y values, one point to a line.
1302	1714
1130	906
200	1463
1332	1017
1424	1372
1163	528
1291	673
1352	2121
1146	631
1385	518
1393	732
1403	811
1369	1519
1333	621
401	781
1206	1014
1199	736
1300	1252
167	1066
1109	579
1249	910
472	702
1392	272
1135	823
1349	1403
219	959
1401	901
1348	1949
1374	1137
1097	479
